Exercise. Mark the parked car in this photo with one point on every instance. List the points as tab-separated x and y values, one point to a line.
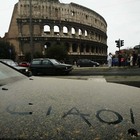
49	66
87	63
13	64
24	64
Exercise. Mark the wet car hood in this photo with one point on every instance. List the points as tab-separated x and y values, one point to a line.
53	108
63	64
20	68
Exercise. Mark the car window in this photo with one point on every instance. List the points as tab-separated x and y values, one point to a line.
36	62
9	62
54	61
46	62
86	60
12	63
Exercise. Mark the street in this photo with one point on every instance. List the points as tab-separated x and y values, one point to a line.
105	71
123	75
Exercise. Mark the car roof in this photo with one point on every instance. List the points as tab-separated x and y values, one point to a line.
40	58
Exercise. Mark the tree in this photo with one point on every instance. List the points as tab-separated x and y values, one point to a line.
7	50
36	55
53	0
57	51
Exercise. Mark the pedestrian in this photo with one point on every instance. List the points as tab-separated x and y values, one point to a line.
131	60
139	60
134	58
109	59
125	59
119	59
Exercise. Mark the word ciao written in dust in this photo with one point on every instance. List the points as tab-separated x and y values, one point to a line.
74	111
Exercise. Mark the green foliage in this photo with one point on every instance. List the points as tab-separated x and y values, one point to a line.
57	51
7	50
36	55
53	0
28	57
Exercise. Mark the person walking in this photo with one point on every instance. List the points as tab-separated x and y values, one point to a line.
119	59
139	60
109	59
131	60
134	58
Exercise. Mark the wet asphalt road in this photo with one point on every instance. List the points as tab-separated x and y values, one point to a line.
105	71
123	75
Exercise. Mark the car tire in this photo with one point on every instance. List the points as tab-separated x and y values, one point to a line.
57	72
67	73
78	66
34	73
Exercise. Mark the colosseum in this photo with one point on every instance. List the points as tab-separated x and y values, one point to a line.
36	24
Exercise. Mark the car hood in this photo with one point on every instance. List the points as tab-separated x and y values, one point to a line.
53	108
20	68
63	65
94	62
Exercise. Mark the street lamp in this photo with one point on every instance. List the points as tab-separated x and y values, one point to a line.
10	53
45	48
31	29
80	35
58	38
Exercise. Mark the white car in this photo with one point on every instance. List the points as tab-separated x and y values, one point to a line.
10	62
57	108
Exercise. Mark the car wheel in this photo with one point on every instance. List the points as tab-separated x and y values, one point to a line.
78	66
66	73
34	73
57	72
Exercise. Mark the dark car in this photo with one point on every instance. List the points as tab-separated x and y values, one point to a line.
87	63
49	66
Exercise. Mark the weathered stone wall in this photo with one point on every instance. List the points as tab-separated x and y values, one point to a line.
59	11
82	30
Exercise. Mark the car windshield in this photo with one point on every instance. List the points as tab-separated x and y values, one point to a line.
36	62
8	75
9	62
54	61
12	63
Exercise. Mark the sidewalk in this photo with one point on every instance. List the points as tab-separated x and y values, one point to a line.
104	70
105	67
127	80
122	75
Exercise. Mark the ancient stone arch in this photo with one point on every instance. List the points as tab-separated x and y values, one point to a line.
82	30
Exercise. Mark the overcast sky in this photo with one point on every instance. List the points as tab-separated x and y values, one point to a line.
122	17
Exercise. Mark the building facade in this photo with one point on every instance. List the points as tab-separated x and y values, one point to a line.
36	24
